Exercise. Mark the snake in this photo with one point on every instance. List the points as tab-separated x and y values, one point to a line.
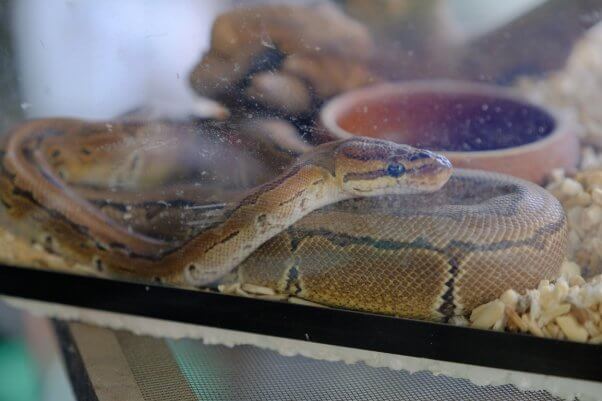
360	223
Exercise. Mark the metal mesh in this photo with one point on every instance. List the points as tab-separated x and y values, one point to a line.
154	368
188	370
219	373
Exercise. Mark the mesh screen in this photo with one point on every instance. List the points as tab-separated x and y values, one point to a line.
216	373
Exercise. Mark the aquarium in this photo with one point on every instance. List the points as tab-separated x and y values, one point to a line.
331	173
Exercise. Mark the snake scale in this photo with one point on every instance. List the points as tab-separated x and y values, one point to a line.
361	223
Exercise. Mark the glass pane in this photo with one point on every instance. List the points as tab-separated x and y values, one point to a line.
435	160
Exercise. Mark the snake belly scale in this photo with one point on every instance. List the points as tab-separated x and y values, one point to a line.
360	223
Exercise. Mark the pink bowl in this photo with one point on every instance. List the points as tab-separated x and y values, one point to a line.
474	125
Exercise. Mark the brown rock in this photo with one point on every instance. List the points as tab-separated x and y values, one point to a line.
283	92
283	58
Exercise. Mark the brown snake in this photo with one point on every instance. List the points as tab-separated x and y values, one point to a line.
361	223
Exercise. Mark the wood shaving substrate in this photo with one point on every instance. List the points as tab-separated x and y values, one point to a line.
571	306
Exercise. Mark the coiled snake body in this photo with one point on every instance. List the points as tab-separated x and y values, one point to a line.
361	223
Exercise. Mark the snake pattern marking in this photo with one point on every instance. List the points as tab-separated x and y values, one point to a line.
361	223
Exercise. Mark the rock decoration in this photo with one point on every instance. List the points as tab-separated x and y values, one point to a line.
283	60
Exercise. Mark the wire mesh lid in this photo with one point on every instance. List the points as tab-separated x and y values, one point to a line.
188	370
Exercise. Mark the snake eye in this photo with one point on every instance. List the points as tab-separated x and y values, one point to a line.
395	170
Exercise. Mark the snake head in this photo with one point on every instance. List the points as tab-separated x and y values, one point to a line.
372	167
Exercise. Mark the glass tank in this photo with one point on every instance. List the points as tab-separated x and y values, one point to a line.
432	161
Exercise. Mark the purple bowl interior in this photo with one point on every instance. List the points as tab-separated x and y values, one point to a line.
444	121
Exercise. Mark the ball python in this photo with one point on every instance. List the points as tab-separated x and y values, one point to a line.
360	223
